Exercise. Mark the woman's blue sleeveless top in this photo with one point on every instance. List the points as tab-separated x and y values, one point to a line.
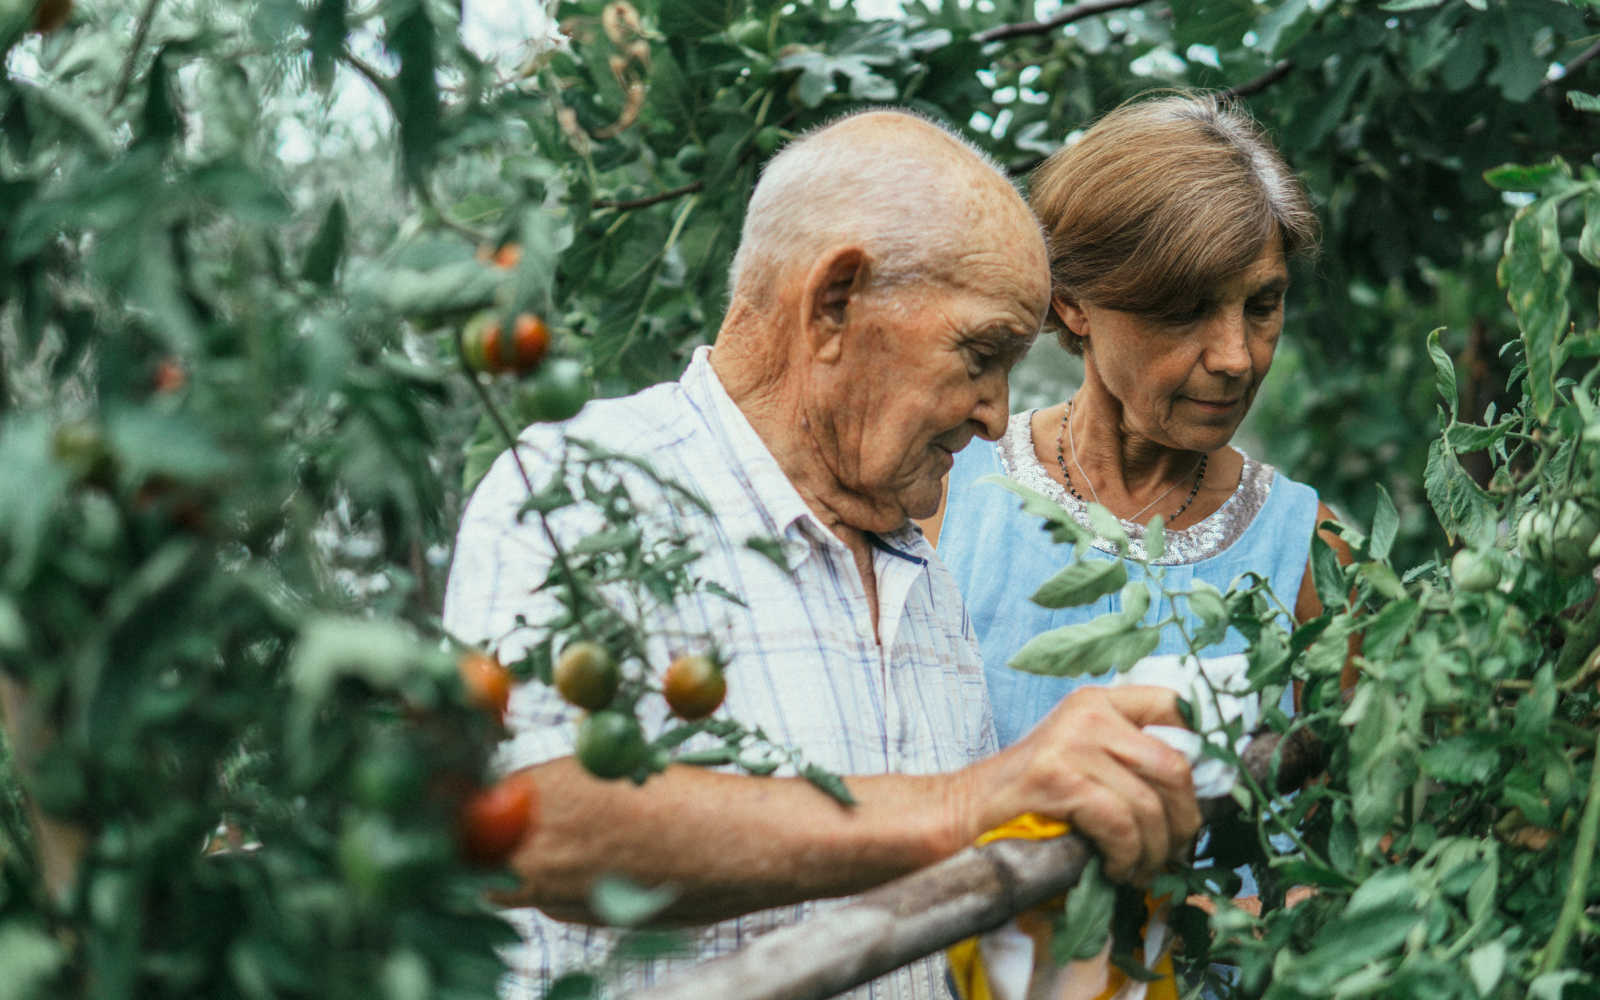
999	557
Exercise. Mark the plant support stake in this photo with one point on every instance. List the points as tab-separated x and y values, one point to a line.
969	893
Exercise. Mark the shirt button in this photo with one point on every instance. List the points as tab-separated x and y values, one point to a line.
864	630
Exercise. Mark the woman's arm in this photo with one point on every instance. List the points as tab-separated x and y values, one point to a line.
1308	606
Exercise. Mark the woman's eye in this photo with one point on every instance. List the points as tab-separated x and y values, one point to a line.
1265	309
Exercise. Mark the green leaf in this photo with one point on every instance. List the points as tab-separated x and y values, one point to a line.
327	29
829	783
1582	101
1109	642
1082	582
698	18
1467	438
1327	575
327	247
1589	239
772	549
1085	925
1535	273
1461	760
1155	538
1533	179
1062	528
1206	603
31	958
1462	506
412	40
620	903
1387	629
1385	525
1107	526
1444	371
1383	579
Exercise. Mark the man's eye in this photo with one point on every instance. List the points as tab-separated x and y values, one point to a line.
1265	308
1184	317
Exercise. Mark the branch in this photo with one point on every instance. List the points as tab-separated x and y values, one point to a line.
59	845
1578	62
1076	12
648	200
1251	88
899	922
140	33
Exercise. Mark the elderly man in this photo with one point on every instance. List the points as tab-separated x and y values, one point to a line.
887	279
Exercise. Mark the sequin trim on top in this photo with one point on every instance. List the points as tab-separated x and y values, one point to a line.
1194	543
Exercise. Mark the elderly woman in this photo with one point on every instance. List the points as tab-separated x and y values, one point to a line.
1170	224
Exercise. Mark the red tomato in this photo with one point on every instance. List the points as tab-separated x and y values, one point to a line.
487	682
170	375
496	820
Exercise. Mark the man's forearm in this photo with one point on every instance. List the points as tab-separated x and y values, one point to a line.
730	844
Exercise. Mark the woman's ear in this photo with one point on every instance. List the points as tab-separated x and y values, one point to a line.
1072	315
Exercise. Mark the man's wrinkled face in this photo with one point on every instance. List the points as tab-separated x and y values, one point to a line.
923	370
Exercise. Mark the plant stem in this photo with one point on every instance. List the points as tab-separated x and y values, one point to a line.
1578	887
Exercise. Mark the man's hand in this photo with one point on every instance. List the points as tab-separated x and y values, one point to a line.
1088	763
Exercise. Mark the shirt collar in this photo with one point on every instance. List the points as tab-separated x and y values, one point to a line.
771	488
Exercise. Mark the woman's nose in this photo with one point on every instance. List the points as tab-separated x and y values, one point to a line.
1228	346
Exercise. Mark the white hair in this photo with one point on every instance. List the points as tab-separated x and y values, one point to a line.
905	204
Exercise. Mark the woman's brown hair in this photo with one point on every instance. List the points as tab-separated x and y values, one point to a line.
1161	199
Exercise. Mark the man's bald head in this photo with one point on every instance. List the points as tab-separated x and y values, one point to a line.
910	194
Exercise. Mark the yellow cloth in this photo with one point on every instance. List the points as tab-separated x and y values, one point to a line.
966	957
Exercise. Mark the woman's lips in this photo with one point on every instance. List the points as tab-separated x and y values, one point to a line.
1212	406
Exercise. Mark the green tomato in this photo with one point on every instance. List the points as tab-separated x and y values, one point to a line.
769	139
750	34
557	393
691	159
1558	535
610	745
1474	572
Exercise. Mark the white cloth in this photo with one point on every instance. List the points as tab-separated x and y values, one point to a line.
804	663
1222	700
1008	951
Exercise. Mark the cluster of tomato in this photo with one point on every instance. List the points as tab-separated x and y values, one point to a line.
558	390
610	743
494	821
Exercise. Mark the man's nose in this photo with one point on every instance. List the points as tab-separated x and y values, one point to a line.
994	406
1227	349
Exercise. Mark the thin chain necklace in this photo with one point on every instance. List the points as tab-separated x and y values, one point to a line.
1199	472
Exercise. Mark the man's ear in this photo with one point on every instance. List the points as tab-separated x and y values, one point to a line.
1071	314
833	288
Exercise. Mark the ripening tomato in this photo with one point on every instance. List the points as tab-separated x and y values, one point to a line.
486	348
557	393
170	376
48	15
508	256
496	820
586	675
694	686
610	745
487	682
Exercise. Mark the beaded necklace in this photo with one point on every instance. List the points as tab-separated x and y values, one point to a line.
1199	472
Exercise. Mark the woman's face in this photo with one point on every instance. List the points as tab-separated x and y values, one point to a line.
1186	381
